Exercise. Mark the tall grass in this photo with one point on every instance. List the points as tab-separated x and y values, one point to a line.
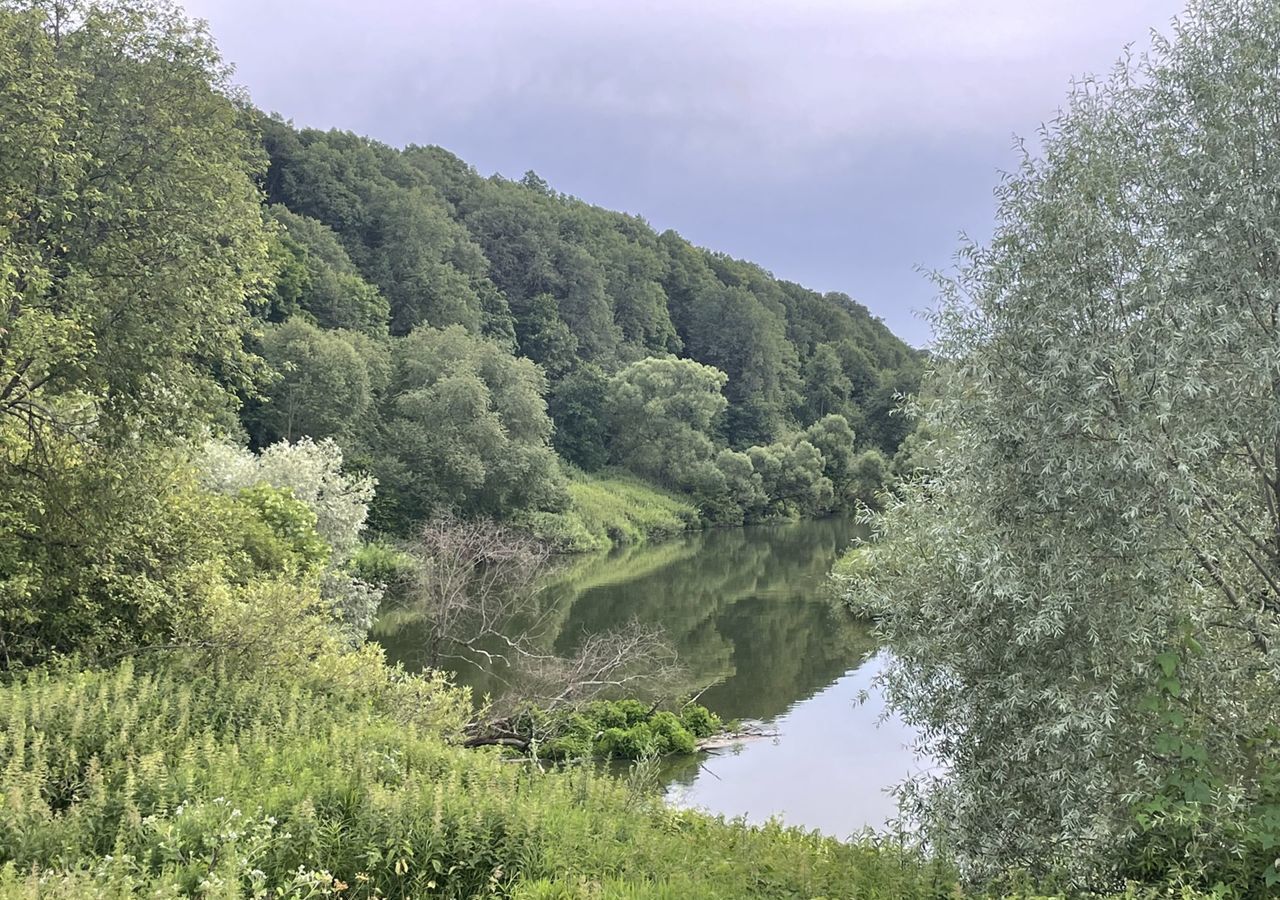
129	783
612	509
177	782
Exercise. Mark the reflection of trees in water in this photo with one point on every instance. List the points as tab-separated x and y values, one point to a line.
785	649
746	606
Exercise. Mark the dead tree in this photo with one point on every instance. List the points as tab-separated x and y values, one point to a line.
477	588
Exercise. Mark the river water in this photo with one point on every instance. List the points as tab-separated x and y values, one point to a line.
747	609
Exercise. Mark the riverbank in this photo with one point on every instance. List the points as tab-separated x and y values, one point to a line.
186	780
182	783
609	510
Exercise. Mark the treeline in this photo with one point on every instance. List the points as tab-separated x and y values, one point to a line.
456	334
188	708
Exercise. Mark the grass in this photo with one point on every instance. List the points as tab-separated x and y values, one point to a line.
610	509
190	781
171	783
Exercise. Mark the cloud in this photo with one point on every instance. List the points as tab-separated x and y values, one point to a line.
705	78
838	142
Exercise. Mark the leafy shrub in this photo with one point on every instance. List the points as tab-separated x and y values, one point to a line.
622	729
700	721
382	564
290	528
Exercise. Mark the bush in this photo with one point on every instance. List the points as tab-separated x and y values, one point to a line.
382	564
700	721
622	729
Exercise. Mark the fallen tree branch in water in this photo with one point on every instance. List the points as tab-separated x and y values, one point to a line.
749	732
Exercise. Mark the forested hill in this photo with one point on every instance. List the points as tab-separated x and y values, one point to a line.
423	239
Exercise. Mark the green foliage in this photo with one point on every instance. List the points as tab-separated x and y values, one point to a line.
310	471
131	241
791	476
317	277
618	729
700	721
465	429
133	234
734	492
577	406
661	415
133	550
1101	489
394	226
379	563
1193	823
289	542
609	510
869	476
571	283
194	780
323	386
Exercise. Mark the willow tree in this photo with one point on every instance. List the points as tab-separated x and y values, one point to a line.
1084	595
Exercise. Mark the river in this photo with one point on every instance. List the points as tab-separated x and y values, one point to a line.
747	609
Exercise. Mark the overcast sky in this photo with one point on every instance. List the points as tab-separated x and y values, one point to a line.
838	143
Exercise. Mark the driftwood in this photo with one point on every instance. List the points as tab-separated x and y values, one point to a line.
496	741
502	734
748	732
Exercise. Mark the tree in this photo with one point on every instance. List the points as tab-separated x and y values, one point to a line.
465	430
543	337
733	331
323	386
834	439
132	244
476	586
325	283
734	492
337	503
1083	590
311	471
826	387
662	413
133	233
791	476
577	406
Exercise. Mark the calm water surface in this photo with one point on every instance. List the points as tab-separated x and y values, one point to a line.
746	608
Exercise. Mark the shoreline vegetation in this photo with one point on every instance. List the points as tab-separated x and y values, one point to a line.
255	380
609	510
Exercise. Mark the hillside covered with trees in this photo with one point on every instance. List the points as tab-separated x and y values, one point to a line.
225	349
253	380
461	337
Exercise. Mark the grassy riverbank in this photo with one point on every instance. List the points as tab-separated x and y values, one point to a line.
612	509
178	782
169	783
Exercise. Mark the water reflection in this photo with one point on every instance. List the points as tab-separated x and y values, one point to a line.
748	612
747	608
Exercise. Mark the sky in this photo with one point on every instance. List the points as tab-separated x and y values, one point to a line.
841	144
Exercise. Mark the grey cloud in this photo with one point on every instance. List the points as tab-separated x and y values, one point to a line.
838	142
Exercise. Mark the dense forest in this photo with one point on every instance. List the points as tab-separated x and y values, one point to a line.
256	381
456	334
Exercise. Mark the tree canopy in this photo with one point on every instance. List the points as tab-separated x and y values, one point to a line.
1082	589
